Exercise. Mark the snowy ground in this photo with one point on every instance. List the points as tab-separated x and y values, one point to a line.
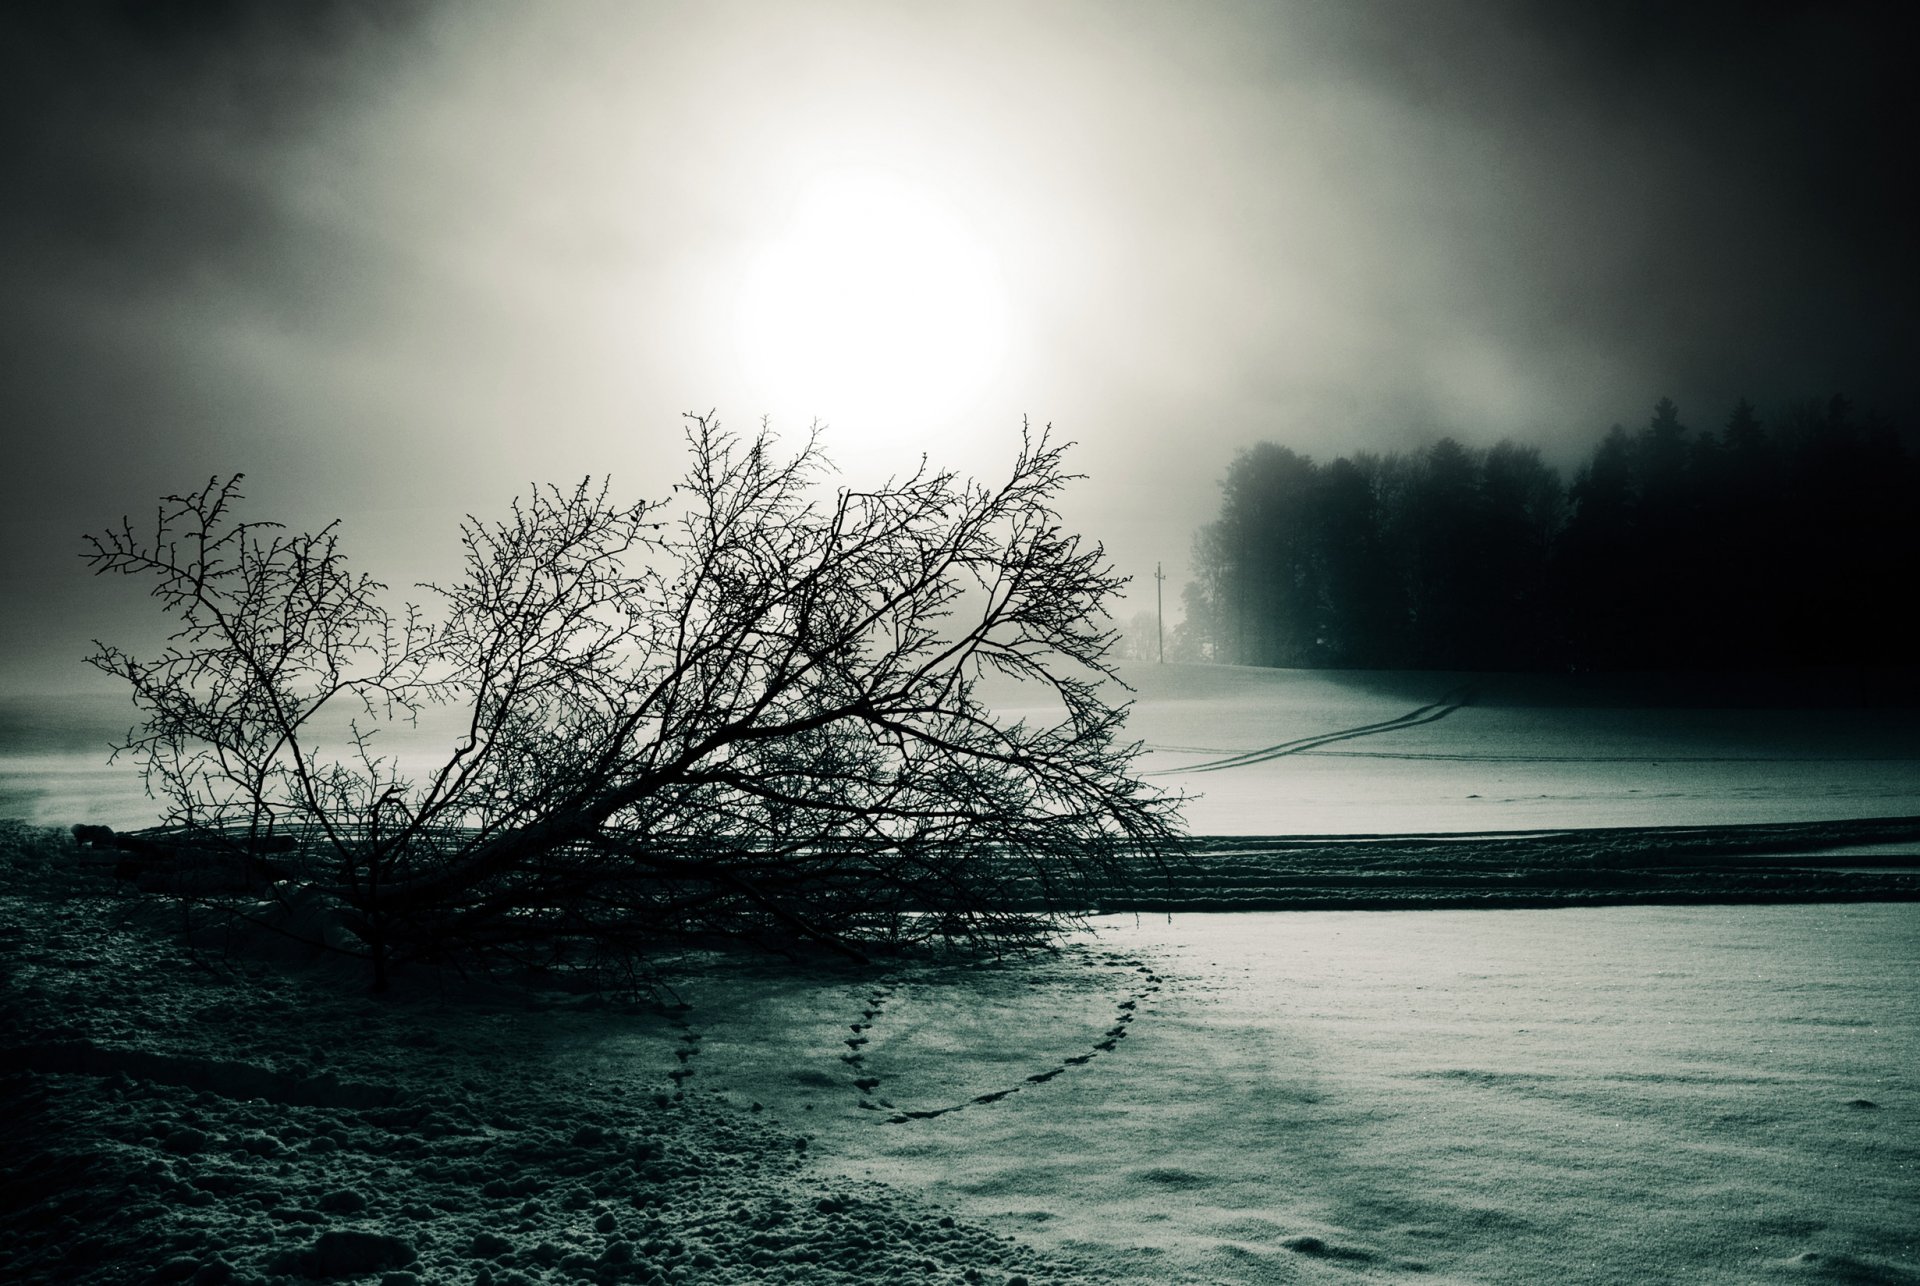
1593	1096
1315	752
238	1115
1717	1094
1322	752
1700	1094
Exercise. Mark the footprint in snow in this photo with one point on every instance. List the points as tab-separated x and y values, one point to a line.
1126	1012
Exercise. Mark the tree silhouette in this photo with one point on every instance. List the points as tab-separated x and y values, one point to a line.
1363	620
1445	590
747	711
1671	550
1259	559
1522	509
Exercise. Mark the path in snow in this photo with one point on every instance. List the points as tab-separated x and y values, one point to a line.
1717	1095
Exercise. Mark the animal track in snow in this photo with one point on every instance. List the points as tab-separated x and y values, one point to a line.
866	1084
689	1046
1124	1012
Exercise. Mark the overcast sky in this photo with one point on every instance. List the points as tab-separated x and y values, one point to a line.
395	261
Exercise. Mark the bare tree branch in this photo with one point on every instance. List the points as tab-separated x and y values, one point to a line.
743	711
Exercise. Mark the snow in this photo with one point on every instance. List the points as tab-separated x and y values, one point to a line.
1684	1094
1520	752
1468	753
1717	1094
201	1116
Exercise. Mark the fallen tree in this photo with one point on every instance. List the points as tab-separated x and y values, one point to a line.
748	710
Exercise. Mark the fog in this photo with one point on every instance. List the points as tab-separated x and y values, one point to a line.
396	261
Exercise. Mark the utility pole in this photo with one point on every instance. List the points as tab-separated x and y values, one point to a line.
1159	612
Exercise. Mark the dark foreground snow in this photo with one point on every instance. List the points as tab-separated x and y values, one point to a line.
1701	1093
219	1117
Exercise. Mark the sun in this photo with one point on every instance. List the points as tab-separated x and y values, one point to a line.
875	307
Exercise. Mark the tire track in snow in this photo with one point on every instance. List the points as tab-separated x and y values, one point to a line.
1429	713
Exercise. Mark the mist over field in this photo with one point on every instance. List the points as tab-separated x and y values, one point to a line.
1330	753
396	261
1494	446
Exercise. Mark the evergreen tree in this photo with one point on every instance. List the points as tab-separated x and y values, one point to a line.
1671	550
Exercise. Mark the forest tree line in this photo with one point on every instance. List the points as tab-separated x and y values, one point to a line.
1784	544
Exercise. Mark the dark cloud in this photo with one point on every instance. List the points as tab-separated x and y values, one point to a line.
146	209
1712	190
147	139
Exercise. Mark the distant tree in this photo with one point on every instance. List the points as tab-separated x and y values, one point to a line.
1743	434
1598	556
1733	496
1139	639
1258	560
1669	568
1446	588
1193	640
744	712
1848	547
1663	446
1671	550
1522	511
1435	559
1362	618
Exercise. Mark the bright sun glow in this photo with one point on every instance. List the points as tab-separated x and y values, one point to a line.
875	305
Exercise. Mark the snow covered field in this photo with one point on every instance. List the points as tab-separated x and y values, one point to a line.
1680	1095
1317	752
1342	752
1718	1094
